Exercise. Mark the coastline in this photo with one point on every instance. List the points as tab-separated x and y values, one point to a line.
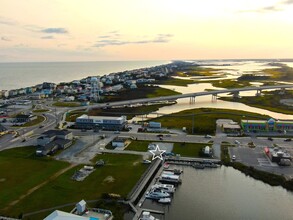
26	74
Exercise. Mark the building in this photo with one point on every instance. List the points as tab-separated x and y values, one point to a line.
81	212
277	154
231	128
270	125
53	140
101	122
119	142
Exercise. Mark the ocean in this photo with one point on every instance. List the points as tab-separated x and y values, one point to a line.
20	75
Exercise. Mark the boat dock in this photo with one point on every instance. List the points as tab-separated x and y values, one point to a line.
189	161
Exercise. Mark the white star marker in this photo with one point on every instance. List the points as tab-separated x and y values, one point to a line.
157	153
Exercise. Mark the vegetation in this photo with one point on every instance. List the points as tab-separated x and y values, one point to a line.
66	104
139	93
21	170
270	101
197	71
175	82
189	149
71	116
40	110
204	119
36	121
138	146
119	175
230	83
130	112
282	73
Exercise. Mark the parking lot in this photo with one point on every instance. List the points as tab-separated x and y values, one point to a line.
257	158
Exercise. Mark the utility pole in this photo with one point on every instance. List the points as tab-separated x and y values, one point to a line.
192	131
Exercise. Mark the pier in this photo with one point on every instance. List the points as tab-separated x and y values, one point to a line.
188	161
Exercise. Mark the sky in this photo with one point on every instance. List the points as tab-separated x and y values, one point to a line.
96	30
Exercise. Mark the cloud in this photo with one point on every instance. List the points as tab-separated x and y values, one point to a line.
287	2
113	40
279	6
5	38
47	37
54	31
7	21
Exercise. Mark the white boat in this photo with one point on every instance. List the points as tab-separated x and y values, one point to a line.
156	194
147	216
170	179
169	188
165	200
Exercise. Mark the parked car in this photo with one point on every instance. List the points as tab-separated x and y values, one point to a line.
288	139
236	142
233	157
270	139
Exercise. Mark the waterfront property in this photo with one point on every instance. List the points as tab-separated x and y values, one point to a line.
270	125
102	122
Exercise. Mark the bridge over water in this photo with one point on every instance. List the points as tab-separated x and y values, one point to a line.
192	96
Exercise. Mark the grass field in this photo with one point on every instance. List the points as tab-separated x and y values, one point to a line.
66	104
189	149
119	176
138	146
20	170
204	119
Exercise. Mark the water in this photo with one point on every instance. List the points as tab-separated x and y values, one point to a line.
225	193
19	75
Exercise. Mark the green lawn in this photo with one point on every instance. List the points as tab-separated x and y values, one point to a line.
139	145
20	171
66	104
204	119
38	120
189	149
124	169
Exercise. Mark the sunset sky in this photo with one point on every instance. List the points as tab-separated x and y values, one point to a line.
93	30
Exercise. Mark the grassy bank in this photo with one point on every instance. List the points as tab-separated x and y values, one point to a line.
204	119
269	101
197	71
175	82
130	112
189	149
118	176
139	93
282	73
66	104
20	171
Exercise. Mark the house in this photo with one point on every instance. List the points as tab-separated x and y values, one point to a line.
119	142
53	140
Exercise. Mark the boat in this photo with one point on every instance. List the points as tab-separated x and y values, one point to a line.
175	171
147	216
169	188
156	194
174	179
165	200
198	166
166	165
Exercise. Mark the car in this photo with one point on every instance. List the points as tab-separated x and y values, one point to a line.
288	139
41	126
160	135
208	136
161	138
270	139
116	132
233	157
236	142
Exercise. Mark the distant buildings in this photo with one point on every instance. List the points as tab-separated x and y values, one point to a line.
270	125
